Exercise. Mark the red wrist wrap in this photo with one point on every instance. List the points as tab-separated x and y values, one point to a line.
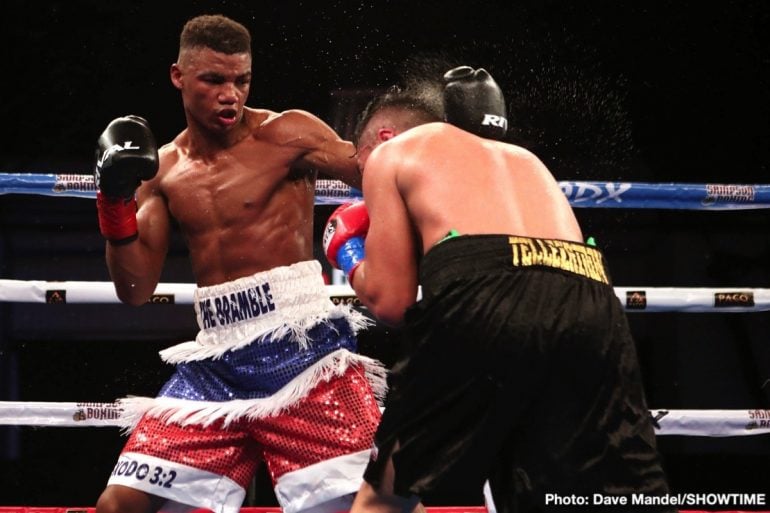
117	218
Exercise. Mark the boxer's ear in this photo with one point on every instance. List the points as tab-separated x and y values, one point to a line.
385	134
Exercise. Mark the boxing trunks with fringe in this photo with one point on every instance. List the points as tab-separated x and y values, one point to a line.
521	371
273	374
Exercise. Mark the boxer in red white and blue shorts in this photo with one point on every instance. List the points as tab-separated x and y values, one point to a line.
273	373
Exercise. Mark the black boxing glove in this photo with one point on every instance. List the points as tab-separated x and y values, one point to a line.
474	102
126	154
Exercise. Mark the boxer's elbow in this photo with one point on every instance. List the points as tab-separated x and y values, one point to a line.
130	294
386	298
389	316
131	299
389	308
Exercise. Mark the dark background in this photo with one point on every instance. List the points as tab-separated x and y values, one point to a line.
669	91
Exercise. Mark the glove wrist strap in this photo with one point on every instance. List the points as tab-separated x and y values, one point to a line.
350	254
117	218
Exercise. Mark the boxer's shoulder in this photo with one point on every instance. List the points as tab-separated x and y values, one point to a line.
293	127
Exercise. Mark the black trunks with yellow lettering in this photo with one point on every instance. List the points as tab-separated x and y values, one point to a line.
521	371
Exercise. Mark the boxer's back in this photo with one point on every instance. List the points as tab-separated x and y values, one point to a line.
452	180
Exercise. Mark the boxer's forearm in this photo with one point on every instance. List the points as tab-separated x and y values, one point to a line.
385	302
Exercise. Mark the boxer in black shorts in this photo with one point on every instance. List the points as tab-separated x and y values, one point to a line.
523	371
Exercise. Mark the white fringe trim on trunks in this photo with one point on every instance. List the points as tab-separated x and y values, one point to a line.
281	302
187	412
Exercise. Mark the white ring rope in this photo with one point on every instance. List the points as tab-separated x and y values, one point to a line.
635	299
708	423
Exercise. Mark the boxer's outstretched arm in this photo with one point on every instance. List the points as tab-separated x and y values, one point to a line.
325	151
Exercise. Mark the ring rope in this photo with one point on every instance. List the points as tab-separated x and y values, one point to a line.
634	299
582	194
327	192
708	423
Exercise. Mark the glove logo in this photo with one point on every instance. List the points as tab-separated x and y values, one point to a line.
493	120
114	149
331	227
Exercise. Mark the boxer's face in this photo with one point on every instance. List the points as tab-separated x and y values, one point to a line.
214	86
